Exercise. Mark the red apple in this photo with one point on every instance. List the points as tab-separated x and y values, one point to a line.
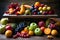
42	28
8	27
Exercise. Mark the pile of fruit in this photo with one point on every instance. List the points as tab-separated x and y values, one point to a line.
35	9
48	27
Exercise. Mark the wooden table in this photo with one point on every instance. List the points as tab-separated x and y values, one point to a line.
2	37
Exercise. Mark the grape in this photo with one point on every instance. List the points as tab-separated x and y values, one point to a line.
20	27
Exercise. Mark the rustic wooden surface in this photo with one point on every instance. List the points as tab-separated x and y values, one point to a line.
2	37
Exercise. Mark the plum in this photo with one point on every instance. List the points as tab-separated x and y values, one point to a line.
41	23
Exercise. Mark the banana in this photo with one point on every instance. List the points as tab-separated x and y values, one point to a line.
22	10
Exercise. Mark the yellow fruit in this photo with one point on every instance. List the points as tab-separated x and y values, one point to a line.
40	8
48	8
8	33
47	31
31	33
44	8
26	29
54	32
22	10
37	4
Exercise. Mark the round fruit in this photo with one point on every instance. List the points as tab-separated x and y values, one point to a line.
40	8
8	33
37	4
38	31
41	23
27	12
52	26
33	26
22	31
48	8
54	32
8	27
42	28
44	8
31	33
41	11
47	31
26	29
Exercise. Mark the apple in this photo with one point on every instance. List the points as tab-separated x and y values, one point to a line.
33	26
8	27
41	23
48	8
38	31
4	21
2	28
27	12
44	8
42	29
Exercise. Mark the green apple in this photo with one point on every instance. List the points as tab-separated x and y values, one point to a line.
33	26
27	12
2	28
4	21
38	31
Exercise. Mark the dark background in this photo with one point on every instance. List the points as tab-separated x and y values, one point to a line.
53	3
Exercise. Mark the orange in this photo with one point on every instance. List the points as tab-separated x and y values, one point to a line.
22	31
37	4
8	33
31	33
26	29
54	32
47	31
